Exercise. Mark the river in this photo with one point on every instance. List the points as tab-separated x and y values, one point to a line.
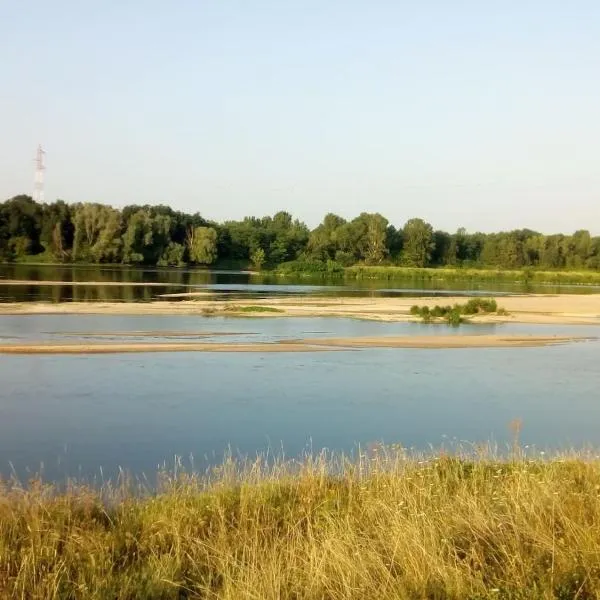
90	415
125	284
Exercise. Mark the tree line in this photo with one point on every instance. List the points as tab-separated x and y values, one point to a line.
159	235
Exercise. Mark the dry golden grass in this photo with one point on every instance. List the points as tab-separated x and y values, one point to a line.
386	527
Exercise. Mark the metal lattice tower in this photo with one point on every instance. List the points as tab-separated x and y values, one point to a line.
40	167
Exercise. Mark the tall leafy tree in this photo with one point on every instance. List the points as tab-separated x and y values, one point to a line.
57	230
370	237
21	221
202	244
146	237
97	235
418	243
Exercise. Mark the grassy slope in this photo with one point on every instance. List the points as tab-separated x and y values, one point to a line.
388	527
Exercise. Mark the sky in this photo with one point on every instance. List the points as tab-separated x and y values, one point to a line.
477	114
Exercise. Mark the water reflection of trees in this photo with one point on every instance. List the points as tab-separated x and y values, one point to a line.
112	274
79	293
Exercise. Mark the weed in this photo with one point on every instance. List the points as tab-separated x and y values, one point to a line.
384	526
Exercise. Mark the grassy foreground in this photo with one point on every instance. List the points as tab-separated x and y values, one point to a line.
386	527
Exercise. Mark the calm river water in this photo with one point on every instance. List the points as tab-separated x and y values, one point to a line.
237	284
77	414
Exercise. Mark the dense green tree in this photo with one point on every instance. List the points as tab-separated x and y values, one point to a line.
368	233
173	256
97	235
159	235
393	242
202	245
444	249
286	237
146	237
418	243
20	227
57	230
324	241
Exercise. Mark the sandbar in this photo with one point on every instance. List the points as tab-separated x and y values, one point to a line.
298	345
535	308
119	348
446	341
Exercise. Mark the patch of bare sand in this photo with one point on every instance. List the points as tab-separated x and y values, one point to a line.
558	309
445	341
303	345
153	347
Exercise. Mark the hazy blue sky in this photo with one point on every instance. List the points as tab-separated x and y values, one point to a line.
477	113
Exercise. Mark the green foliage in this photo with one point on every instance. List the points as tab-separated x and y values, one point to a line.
202	245
258	258
343	258
57	231
146	238
418	243
453	315
454	318
172	256
310	267
368	245
20	227
97	233
480	305
19	246
253	309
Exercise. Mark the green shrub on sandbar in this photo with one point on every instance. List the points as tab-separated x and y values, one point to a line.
453	315
252	309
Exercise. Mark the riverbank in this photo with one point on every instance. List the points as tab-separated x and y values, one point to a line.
531	275
386	527
542	309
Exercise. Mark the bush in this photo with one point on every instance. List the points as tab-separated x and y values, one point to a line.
310	267
454	318
345	259
477	305
437	311
453	314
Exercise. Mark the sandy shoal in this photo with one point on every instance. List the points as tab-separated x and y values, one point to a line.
118	348
552	309
304	345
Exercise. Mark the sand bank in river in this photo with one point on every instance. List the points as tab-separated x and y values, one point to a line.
553	309
304	345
